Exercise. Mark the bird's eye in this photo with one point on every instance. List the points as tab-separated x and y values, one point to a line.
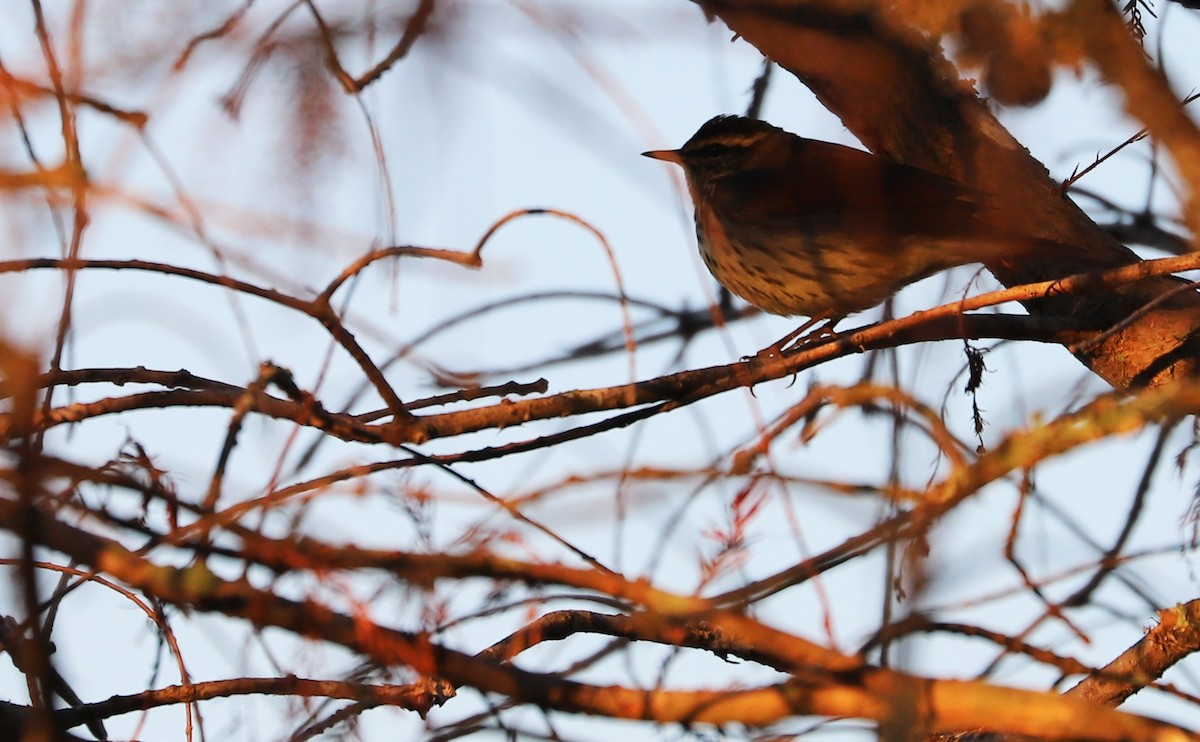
710	150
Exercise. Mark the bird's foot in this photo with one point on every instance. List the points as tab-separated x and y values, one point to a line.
797	338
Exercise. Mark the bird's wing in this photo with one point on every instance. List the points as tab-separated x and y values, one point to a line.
836	188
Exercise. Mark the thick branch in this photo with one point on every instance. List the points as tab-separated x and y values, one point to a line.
1176	636
872	693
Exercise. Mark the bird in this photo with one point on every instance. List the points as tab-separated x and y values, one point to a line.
802	227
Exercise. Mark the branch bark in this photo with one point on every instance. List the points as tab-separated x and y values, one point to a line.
823	682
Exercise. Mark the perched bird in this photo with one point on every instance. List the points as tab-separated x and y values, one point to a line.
797	226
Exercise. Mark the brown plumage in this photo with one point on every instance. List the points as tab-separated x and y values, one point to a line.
801	227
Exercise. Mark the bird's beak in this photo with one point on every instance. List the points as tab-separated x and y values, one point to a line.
666	155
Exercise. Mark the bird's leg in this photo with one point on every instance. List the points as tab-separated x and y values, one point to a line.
785	343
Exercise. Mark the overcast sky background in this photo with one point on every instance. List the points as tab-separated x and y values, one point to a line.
509	107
